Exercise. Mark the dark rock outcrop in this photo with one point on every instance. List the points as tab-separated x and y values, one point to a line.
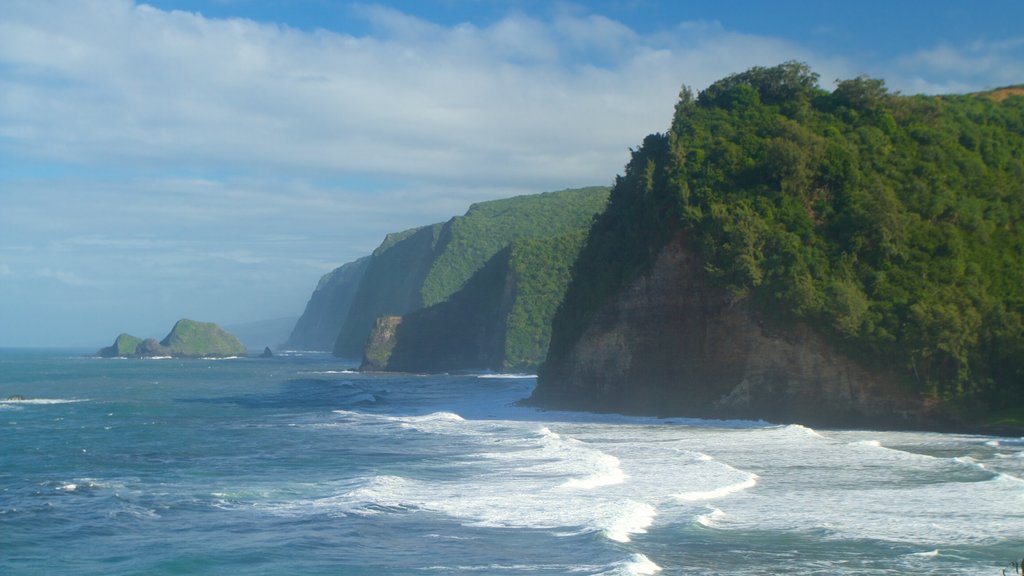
150	348
381	344
674	344
267	353
465	332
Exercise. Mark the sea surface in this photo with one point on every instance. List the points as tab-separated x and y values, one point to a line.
297	465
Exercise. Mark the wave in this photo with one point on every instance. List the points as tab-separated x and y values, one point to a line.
345	371
636	565
635	519
929	554
507	376
710	520
44	401
720	492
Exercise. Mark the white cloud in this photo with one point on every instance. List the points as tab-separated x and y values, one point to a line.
111	83
168	155
946	68
62	276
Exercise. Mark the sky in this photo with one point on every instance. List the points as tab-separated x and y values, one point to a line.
212	159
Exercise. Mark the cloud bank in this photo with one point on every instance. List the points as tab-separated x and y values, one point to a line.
219	166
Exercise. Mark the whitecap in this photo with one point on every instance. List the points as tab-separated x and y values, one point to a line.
635	519
710	520
720	492
44	401
807	431
507	376
636	565
929	554
608	473
868	443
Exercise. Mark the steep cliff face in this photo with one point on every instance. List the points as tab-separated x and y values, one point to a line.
674	343
390	286
465	332
424	267
328	306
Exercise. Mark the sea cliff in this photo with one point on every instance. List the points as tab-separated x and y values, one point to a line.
674	343
847	258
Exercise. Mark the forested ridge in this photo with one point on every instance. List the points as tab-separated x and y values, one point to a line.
425	267
890	223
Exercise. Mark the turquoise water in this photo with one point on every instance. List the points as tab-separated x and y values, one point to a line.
295	465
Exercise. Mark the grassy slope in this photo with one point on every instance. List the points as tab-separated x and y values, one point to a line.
195	339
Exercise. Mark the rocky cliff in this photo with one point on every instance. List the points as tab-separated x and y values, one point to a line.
424	267
784	252
673	342
328	306
465	332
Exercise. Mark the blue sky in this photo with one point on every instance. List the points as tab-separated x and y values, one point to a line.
212	159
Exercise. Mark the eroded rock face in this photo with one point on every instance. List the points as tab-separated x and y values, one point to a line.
380	344
150	348
673	344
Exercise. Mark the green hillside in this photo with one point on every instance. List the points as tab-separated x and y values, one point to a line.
488	227
892	224
426	266
190	338
499	320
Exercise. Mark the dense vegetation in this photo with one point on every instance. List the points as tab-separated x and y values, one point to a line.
541	269
389	286
489	227
890	223
190	338
426	266
124	345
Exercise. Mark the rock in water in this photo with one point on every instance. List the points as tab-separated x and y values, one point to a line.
191	339
267	353
124	345
150	348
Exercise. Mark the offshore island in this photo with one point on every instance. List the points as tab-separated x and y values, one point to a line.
188	339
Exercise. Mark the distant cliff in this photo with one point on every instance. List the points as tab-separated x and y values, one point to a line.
499	320
188	339
783	252
424	267
328	306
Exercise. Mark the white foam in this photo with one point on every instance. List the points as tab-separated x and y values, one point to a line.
636	565
710	520
45	401
720	492
635	519
929	554
608	473
867	443
330	372
507	376
802	430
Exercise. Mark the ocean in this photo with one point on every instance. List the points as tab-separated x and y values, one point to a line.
298	465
